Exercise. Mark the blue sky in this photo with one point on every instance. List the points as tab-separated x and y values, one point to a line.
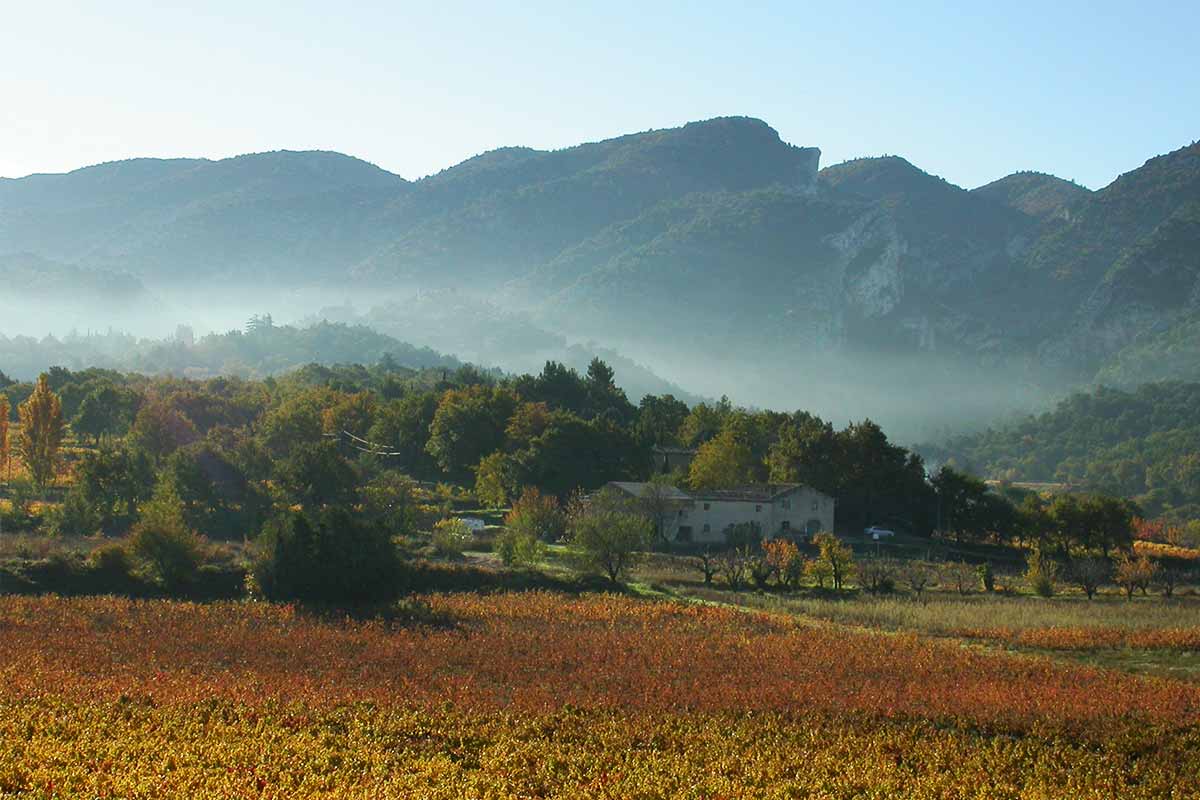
1084	90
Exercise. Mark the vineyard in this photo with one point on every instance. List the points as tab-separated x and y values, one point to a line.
539	695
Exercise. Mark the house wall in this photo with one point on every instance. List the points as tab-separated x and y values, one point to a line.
709	518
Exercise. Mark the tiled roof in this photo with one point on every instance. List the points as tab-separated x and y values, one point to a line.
761	492
639	489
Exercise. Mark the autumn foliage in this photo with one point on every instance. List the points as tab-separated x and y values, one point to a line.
525	695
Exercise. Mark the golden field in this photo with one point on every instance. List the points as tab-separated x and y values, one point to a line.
543	695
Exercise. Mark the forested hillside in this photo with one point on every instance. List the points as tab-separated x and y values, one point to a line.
1143	444
263	349
709	252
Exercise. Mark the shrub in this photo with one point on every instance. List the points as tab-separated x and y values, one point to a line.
537	515
74	517
332	558
451	537
987	576
110	559
519	547
1041	574
878	576
163	544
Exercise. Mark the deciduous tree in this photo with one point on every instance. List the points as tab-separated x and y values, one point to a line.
42	432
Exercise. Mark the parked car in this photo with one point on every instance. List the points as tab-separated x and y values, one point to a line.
877	533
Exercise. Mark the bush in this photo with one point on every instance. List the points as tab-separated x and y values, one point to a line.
537	515
110	559
987	577
332	558
878	576
451	537
519	547
75	517
163	544
1041	574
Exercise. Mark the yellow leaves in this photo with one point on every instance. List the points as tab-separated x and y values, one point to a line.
541	695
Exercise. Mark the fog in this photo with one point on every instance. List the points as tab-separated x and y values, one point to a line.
916	396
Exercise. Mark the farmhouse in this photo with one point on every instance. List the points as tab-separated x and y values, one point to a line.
779	509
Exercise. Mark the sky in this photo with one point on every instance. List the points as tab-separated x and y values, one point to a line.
1085	91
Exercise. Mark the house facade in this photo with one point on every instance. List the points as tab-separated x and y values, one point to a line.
780	510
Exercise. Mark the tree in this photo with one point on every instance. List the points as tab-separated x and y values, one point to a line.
836	558
162	541
877	575
42	432
962	576
160	429
918	576
1089	573
495	480
1132	572
785	561
5	451
450	537
468	425
659	419
114	481
726	460
316	475
606	530
103	412
330	557
659	501
1041	573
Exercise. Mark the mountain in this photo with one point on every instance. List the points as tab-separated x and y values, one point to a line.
1140	444
25	276
715	253
195	219
1035	193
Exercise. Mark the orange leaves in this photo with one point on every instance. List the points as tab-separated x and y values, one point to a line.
540	695
537	652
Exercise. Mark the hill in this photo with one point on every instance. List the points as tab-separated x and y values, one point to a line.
716	248
1141	444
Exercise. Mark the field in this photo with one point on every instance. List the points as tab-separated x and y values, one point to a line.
546	695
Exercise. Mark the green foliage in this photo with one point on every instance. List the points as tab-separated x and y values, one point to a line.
606	532
537	515
316	475
328	557
1041	573
163	544
450	537
520	547
1138	444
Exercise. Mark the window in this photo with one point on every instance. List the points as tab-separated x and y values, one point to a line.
706	506
786	525
707	528
758	509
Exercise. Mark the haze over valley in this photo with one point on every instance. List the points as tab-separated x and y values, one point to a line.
712	259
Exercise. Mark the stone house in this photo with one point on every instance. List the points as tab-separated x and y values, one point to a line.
789	510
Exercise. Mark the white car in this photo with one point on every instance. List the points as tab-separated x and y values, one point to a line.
877	533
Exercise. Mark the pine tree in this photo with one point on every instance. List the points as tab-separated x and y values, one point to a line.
42	432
